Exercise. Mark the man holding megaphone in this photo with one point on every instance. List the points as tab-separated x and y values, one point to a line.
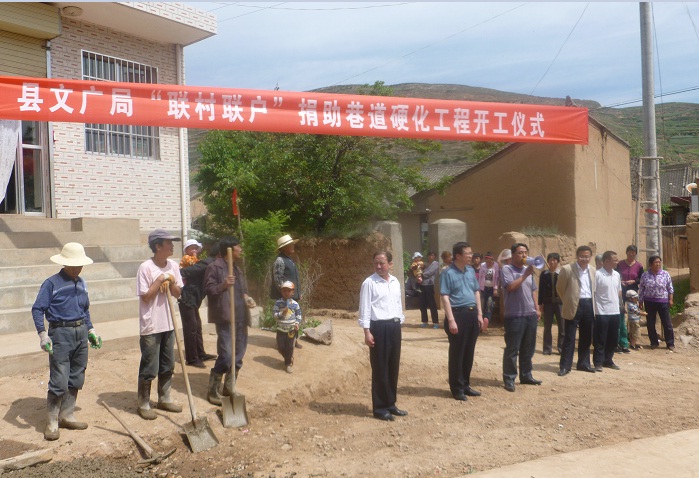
521	316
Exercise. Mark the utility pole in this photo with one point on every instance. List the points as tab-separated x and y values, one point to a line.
650	164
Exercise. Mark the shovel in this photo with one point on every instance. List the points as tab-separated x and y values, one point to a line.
200	435
153	456
233	408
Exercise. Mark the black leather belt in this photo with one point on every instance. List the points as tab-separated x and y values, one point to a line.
466	307
69	323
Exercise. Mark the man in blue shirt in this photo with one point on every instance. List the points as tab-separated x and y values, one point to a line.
461	301
64	302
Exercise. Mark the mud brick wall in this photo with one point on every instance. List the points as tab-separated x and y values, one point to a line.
344	263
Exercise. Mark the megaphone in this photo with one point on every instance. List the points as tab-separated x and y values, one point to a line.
539	261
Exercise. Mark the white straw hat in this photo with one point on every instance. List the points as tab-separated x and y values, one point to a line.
285	241
73	255
191	242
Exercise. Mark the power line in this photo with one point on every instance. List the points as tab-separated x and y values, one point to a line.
630	102
429	45
560	49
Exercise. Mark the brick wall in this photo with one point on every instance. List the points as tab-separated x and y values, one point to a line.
91	185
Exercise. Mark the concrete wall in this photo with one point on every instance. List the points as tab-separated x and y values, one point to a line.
91	185
410	225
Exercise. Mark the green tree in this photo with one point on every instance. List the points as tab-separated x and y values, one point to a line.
325	184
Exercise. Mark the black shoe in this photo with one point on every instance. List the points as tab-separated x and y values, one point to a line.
547	352
586	368
611	365
197	364
563	371
208	357
626	351
471	392
618	349
510	386
460	396
397	412
653	347
598	368
385	416
529	380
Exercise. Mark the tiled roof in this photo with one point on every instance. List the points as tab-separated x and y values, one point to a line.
673	180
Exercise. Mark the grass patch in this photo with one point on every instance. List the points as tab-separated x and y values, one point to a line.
681	291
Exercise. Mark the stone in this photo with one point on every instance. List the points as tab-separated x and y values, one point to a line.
323	334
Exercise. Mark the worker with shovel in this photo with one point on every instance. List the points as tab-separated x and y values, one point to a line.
217	283
157	341
64	302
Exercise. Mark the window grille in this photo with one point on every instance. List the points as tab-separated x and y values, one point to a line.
120	140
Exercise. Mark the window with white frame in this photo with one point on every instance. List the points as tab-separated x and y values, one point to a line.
120	140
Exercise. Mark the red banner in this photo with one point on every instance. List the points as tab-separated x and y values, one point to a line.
41	99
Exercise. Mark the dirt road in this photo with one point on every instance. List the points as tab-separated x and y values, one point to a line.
317	421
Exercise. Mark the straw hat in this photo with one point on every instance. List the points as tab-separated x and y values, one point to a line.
285	241
73	255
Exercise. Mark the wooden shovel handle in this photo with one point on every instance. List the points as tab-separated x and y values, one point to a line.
231	294
181	353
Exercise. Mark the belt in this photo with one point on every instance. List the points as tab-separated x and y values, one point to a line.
63	323
386	321
467	307
585	300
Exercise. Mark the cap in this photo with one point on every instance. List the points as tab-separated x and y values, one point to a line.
191	242
631	293
488	255
161	234
416	255
287	285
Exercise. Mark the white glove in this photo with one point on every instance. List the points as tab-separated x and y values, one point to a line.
46	344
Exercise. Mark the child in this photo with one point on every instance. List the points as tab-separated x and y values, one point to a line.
288	315
191	249
635	314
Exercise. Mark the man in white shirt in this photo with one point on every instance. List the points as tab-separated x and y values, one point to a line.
380	315
157	340
576	288
607	312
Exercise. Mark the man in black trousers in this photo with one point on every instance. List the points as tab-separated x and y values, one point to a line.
576	287
380	315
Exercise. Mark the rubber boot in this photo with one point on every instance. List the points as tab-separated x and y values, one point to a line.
53	408
164	400
227	385
214	383
144	410
66	419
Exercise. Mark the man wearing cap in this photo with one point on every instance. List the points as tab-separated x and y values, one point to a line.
380	315
155	276
64	303
284	269
192	271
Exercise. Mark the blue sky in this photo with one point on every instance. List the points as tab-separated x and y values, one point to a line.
586	50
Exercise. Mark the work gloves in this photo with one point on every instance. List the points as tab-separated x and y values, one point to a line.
95	340
46	344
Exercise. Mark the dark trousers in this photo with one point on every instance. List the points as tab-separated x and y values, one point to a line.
584	320
427	301
191	331
606	338
68	362
285	345
157	355
551	310
663	310
223	344
486	307
520	340
384	357
461	348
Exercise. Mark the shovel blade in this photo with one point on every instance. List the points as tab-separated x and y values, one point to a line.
234	412
200	435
